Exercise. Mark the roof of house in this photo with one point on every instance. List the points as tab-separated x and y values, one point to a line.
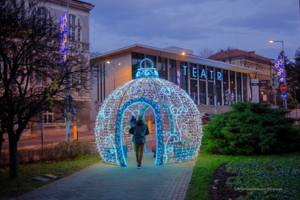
170	53
238	53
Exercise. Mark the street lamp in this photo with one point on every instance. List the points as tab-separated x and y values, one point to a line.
272	41
108	62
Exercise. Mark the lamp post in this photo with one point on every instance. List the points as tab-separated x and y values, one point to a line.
114	64
272	41
67	82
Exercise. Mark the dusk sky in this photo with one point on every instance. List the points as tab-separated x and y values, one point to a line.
196	24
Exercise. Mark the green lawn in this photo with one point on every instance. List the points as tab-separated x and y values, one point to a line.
207	163
24	184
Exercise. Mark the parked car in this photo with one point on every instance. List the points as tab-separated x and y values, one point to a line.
206	117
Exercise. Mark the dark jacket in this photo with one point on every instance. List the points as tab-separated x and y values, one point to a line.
139	132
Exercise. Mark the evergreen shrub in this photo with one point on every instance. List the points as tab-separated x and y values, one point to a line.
251	128
291	103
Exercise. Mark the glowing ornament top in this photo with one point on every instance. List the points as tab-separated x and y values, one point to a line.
177	119
146	72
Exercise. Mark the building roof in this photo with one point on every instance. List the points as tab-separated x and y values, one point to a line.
139	48
238	53
76	3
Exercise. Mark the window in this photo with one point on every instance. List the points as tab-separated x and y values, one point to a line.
245	87
202	72
78	22
218	78
193	71
72	33
162	68
210	73
194	91
147	63
239	86
210	98
135	60
72	19
202	92
232	85
225	86
183	76
78	34
48	118
172	70
42	13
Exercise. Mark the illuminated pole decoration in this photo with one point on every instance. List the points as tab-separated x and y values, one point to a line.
282	63
178	78
64	37
177	119
64	48
279	65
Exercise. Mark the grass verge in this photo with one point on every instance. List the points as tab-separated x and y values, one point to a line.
206	164
25	184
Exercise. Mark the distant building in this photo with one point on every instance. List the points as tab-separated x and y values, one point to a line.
79	38
265	67
197	75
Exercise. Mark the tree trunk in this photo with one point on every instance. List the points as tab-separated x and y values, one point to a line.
13	156
1	141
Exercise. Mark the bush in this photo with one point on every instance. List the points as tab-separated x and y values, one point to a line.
251	128
291	103
50	152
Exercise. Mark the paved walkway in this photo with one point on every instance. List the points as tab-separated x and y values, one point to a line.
104	181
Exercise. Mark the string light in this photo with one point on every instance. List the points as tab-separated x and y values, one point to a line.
177	119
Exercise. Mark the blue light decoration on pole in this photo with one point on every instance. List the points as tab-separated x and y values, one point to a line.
178	121
279	65
178	78
63	23
64	48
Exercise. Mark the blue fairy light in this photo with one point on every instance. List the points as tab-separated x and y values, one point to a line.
177	119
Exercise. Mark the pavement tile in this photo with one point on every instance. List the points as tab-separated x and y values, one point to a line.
103	181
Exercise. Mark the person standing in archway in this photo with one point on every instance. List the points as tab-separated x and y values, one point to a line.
139	132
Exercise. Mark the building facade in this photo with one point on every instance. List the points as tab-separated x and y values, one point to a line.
79	40
265	67
196	75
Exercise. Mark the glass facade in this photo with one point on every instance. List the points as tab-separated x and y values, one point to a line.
218	78
202	72
172	70
153	58
210	97
162	68
225	86
193	70
245	87
239	86
194	91
135	61
210	73
184	76
198	80
232	86
202	90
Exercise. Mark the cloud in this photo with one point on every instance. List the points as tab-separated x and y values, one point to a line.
195	24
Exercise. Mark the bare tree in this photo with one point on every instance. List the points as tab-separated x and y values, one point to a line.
206	52
34	75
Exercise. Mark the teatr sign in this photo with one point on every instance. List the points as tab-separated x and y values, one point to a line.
202	74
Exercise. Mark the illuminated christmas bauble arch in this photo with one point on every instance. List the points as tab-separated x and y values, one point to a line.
177	119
